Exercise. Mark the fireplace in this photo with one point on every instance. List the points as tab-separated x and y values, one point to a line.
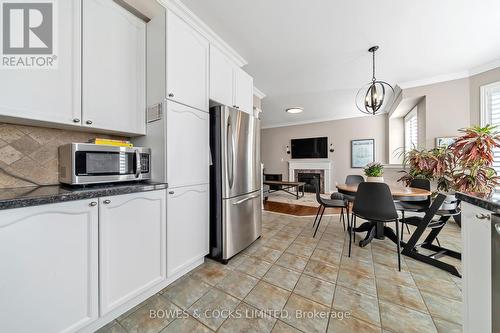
308	178
323	167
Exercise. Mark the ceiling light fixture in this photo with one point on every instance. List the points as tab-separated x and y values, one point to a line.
373	97
295	110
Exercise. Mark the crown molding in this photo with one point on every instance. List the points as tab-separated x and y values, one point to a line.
317	120
451	76
484	68
257	92
434	79
180	9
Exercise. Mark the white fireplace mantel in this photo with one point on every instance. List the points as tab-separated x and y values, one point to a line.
325	165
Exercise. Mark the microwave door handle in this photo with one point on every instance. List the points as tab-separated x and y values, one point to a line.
137	164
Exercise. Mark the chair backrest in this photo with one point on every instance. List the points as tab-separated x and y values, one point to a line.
354	179
318	190
374	202
424	184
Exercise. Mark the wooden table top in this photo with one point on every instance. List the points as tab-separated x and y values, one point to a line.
396	191
283	182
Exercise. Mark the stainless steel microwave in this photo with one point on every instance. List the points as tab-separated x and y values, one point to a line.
86	163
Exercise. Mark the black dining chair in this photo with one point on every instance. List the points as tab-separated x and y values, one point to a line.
327	203
414	206
349	180
374	203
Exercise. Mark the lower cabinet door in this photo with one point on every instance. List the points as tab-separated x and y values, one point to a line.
187	228
476	263
48	267
132	244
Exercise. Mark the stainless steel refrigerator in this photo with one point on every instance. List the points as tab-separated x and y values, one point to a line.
235	182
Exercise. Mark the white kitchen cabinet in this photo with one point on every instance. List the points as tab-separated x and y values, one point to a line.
188	151
187	64
242	90
188	227
49	268
221	77
476	261
132	241
229	84
48	95
114	68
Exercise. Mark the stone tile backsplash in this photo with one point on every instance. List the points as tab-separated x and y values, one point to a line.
28	155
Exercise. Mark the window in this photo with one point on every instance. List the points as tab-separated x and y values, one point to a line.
490	113
411	130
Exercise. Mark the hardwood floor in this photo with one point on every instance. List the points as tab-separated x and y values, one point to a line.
297	210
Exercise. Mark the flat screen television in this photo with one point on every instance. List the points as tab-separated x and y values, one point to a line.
310	148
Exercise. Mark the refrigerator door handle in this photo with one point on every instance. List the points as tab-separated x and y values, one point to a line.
230	148
239	202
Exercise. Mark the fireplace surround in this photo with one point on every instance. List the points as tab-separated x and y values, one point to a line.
323	167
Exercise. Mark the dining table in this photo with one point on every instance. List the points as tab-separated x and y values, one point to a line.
376	229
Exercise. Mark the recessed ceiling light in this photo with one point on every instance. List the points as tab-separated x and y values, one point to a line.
294	110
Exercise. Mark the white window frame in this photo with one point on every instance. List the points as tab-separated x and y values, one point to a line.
412	113
485	117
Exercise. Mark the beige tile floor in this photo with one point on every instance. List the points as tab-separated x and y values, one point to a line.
288	281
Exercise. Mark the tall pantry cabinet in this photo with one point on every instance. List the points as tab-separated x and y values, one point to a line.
177	75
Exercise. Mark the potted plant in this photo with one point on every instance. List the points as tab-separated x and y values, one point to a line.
474	154
374	172
464	166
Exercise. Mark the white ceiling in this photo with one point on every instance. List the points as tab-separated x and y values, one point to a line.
313	53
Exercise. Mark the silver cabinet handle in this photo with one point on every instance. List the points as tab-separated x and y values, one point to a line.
483	216
93	204
171	95
497	228
107	202
76	120
89	122
246	199
171	192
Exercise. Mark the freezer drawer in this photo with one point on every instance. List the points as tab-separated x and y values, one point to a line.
241	222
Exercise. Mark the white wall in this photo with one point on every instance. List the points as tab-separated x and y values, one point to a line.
443	111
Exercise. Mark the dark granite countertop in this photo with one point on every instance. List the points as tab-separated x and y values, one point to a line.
41	195
489	202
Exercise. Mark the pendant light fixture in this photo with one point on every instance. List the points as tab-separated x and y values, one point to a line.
374	96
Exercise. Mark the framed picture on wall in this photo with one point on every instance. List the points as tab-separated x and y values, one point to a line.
445	141
362	152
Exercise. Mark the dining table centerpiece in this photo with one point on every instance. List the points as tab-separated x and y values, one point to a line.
374	172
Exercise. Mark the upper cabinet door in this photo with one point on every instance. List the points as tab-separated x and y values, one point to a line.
221	77
114	68
49	270
52	94
187	64
243	91
187	146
